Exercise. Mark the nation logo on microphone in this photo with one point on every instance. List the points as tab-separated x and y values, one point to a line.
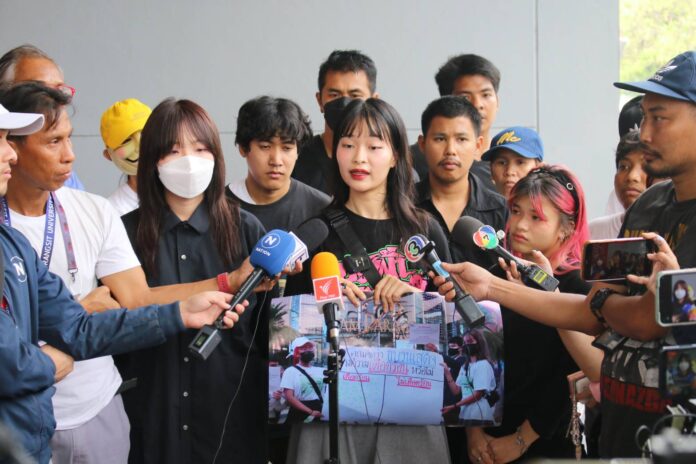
270	240
414	248
326	288
486	237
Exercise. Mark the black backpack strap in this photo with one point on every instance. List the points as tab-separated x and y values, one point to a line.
314	384
358	259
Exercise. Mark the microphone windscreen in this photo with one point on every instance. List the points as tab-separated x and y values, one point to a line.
272	251
312	233
324	264
464	230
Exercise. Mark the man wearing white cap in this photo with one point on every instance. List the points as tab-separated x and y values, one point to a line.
302	383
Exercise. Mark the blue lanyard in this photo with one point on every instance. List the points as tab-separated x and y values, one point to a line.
53	209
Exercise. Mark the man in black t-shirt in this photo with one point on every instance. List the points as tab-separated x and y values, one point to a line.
269	131
345	73
451	140
476	79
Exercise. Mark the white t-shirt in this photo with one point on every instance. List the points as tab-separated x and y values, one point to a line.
124	200
239	188
606	227
101	248
480	376
296	381
613	204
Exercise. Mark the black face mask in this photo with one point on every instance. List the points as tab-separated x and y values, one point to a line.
307	357
333	111
453	352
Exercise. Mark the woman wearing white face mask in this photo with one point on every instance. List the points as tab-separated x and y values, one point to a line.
187	230
682	304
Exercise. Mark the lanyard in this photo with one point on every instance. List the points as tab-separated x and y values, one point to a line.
53	209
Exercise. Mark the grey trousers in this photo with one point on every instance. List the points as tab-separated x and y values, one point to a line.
104	439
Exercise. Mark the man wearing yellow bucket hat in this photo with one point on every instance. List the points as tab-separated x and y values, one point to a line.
121	125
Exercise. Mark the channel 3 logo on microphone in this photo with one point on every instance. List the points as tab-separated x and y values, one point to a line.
414	248
486	237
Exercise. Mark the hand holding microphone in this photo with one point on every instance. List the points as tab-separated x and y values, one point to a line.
470	231
270	255
420	250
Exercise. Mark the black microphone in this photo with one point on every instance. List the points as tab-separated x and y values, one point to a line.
312	233
419	249
333	326
469	230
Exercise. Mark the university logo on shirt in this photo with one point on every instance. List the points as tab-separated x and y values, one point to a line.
18	265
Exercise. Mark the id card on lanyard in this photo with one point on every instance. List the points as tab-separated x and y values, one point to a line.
53	210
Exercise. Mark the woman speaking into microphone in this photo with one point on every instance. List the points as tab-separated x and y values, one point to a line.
373	194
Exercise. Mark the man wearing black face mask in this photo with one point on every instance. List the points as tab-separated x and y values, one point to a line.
346	74
302	383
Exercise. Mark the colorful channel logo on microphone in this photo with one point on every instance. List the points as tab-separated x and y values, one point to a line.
414	248
486	237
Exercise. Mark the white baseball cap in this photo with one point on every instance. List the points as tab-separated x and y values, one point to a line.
20	123
298	342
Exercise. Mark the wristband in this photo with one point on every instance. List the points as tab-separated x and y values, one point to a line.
223	283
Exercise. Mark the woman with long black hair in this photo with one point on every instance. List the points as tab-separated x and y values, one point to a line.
373	193
185	230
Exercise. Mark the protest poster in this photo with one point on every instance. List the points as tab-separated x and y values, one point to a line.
393	370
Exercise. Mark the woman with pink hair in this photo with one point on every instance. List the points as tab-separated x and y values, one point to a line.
548	226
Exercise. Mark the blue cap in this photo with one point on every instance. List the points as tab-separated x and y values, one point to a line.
676	79
522	140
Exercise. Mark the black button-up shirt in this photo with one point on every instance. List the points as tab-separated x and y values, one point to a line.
178	408
484	204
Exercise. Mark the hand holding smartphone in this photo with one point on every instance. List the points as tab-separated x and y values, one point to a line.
613	260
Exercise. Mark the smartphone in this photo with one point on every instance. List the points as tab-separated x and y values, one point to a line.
613	260
678	371
675	297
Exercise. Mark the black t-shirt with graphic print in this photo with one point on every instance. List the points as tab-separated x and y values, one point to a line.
629	383
380	239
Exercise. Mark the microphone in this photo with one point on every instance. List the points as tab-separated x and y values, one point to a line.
312	233
327	292
419	249
469	229
269	256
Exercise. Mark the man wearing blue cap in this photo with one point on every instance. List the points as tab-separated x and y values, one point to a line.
630	396
514	152
632	338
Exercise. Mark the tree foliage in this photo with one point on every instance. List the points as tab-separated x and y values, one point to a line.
652	32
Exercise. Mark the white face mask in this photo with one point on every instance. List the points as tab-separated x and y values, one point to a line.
187	176
684	366
679	293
